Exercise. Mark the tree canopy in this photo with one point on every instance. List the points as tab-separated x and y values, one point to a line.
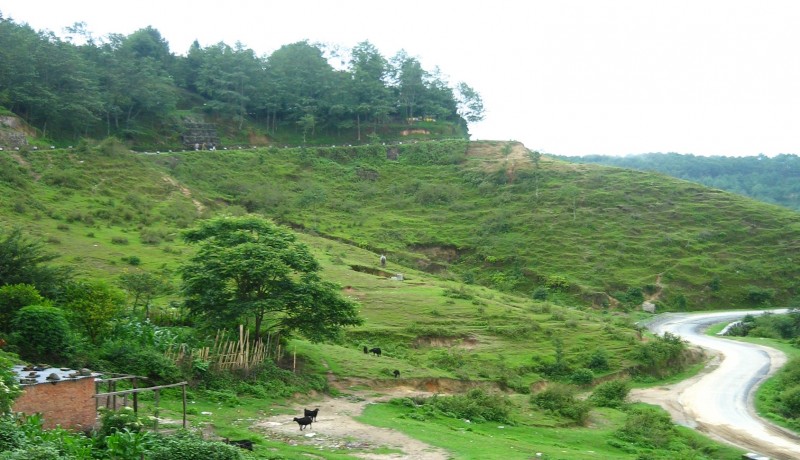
25	261
128	85
248	268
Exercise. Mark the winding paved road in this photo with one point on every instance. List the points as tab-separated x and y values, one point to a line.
718	402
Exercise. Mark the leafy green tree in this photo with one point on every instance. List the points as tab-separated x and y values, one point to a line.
12	298
23	261
369	71
301	77
91	305
407	74
143	287
249	267
470	103
41	333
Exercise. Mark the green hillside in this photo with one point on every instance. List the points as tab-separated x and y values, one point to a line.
517	270
475	213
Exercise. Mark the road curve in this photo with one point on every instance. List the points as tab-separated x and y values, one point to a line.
718	402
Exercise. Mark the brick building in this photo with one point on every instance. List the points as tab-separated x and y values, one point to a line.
64	397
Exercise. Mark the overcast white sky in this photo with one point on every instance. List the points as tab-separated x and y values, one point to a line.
568	77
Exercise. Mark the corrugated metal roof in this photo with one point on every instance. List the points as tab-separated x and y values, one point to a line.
34	375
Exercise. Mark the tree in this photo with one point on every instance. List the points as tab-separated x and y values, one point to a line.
248	267
369	70
12	298
470	103
41	333
92	305
23	261
408	80
144	286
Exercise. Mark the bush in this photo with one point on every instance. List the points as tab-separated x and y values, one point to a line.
131	357
647	427
790	401
598	361
37	452
42	333
185	446
11	436
611	394
582	376
112	421
560	399
540	293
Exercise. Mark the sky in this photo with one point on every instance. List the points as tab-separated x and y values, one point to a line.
565	77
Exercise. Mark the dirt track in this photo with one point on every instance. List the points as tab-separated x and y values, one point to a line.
335	428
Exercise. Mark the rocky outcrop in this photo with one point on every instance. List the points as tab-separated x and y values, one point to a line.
12	132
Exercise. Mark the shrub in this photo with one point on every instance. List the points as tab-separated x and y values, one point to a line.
582	376
598	361
790	402
37	452
560	399
477	405
42	333
130	356
185	446
11	436
610	394
540	293
647	427
112	421
9	386
660	356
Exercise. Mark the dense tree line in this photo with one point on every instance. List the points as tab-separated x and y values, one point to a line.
124	85
769	179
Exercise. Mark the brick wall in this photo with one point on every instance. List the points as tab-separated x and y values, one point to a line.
68	403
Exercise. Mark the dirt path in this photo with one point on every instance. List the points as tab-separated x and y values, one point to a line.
335	428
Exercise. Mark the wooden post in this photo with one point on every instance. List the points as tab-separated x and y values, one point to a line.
183	388
155	426
135	398
294	360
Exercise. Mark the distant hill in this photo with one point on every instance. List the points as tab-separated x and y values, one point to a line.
769	179
479	213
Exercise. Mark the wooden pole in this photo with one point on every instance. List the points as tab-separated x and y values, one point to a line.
294	360
183	389
135	398
155	423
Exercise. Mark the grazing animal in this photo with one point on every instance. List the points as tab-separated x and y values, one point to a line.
366	350
242	444
383	260
311	413
376	351
396	373
303	421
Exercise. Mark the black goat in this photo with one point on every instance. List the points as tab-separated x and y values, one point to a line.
303	421
242	444
376	351
366	350
396	373
311	413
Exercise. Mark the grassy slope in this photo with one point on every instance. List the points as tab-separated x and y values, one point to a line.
488	218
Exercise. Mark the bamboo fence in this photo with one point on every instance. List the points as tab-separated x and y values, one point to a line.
225	354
